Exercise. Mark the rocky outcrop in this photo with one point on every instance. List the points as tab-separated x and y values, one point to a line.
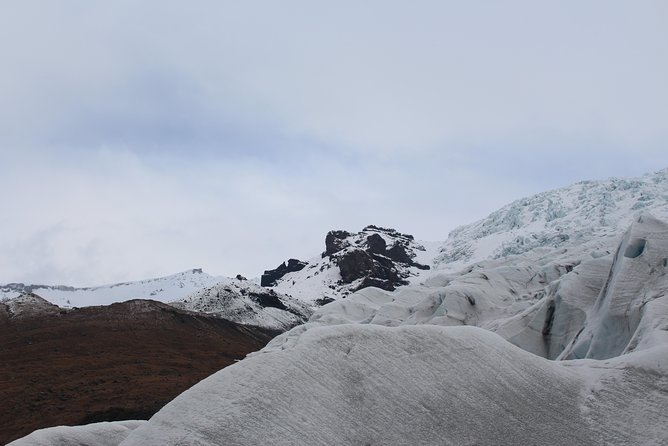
365	257
373	269
270	277
379	257
335	241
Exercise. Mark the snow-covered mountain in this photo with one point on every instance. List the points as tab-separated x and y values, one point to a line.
245	302
238	300
378	257
162	289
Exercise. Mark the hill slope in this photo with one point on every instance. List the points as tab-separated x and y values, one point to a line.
60	366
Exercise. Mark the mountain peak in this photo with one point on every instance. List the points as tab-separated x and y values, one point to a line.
375	256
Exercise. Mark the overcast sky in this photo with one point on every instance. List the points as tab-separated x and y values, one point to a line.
139	139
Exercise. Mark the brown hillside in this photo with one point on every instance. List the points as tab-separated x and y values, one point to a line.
123	361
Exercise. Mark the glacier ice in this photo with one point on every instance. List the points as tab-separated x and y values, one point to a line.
99	434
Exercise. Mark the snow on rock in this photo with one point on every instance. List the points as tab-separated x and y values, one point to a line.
564	217
99	434
375	256
270	277
367	384
162	289
26	305
245	302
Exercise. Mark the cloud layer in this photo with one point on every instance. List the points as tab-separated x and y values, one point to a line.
143	139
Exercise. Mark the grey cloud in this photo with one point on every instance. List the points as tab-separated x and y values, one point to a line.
378	76
163	136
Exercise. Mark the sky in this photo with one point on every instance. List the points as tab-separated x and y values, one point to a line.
140	139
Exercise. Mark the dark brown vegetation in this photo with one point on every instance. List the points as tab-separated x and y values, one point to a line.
123	361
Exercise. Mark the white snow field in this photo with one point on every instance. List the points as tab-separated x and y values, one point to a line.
162	289
98	434
241	301
414	385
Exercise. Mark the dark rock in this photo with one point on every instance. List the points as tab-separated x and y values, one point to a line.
240	277
269	299
323	301
376	244
376	270
380	283
354	265
398	253
388	231
335	241
270	277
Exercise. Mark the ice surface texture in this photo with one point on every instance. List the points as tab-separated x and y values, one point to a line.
560	218
98	434
373	385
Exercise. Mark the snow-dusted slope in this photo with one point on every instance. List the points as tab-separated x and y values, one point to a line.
245	302
584	212
26	305
238	300
364	384
163	289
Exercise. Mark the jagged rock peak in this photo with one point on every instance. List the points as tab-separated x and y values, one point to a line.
270	276
375	256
